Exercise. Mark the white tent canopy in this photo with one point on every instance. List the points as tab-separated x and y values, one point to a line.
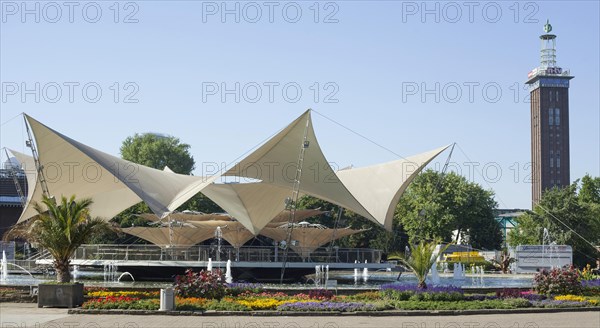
173	236
371	192
114	184
309	237
253	204
379	187
232	231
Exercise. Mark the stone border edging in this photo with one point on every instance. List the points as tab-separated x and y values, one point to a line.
385	313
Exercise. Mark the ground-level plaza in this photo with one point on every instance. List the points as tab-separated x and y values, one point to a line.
28	315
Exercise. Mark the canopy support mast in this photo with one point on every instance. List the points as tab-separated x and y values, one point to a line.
292	203
40	169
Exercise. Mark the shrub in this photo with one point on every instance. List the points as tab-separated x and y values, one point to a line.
414	288
558	281
532	296
327	306
320	294
130	293
508	293
588	274
518	303
225	304
480	297
122	303
462	305
411	292
204	284
559	304
365	296
442	297
190	303
4	291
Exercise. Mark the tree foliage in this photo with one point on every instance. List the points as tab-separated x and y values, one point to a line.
568	214
158	151
421	260
60	229
375	237
437	204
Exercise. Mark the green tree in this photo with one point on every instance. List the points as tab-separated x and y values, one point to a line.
590	190
436	204
374	237
60	229
570	214
158	151
201	203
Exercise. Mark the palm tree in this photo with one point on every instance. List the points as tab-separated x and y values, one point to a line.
421	259
60	229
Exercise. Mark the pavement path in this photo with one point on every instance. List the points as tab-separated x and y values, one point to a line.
28	315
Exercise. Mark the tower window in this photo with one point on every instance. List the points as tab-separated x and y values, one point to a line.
550	92
557	116
551	158
558	159
556	95
550	116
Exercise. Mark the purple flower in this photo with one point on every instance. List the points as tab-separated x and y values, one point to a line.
326	306
533	297
591	283
415	289
558	304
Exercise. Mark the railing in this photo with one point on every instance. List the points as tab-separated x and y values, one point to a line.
40	254
204	252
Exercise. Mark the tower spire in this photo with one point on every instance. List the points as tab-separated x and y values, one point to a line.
548	51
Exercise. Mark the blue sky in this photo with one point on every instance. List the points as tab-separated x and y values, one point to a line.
369	60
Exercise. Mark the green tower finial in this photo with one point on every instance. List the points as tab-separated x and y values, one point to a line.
547	27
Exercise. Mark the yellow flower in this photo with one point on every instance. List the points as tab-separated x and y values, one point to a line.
265	303
129	293
573	298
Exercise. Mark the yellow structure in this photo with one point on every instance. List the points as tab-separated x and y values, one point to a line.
464	257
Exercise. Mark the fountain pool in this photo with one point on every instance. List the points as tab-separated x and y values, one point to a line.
346	279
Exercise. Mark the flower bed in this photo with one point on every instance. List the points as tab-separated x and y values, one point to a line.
129	293
122	303
411	292
237	288
558	281
327	306
207	291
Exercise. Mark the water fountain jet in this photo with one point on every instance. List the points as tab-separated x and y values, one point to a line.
228	276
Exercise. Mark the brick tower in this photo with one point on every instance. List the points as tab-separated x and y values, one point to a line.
549	91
